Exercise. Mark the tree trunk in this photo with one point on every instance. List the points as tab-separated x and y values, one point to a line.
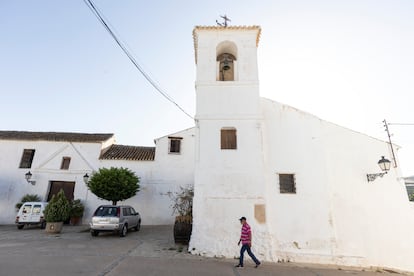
114	202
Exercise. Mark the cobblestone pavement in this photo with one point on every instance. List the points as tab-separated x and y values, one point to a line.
151	251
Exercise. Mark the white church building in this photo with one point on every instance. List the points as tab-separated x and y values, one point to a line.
300	181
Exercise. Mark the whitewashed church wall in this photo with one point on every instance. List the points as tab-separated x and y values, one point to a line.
336	215
372	219
228	185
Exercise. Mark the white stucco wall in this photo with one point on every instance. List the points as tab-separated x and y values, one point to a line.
165	174
336	216
45	168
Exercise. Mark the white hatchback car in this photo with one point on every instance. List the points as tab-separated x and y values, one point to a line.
110	218
31	213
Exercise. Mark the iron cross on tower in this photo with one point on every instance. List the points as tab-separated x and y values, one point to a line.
224	24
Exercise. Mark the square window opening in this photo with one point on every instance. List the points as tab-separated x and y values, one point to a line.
228	138
27	159
287	183
175	145
65	163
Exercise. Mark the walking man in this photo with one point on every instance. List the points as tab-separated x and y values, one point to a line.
246	241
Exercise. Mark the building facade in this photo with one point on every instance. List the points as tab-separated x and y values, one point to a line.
300	181
60	160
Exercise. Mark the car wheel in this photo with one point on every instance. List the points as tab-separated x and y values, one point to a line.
136	228
20	226
43	225
124	231
94	233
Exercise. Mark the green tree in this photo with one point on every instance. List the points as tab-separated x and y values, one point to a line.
114	184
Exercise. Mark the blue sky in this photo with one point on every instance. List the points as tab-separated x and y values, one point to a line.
347	62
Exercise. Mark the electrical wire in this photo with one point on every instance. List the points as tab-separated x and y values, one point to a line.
98	15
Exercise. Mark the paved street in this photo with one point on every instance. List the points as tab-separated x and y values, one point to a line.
149	252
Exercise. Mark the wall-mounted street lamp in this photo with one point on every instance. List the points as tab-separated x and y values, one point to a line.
28	177
86	178
384	165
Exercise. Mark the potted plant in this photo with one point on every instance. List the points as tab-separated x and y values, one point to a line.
76	211
56	212
183	206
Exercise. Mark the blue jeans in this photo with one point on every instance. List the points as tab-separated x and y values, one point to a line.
244	248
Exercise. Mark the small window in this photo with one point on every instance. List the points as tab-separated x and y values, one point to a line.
175	144
287	183
36	209
27	159
228	138
104	211
65	163
27	209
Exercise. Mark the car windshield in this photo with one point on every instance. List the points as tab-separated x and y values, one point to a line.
106	212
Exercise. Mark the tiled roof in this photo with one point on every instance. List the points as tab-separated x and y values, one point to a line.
222	28
121	152
55	136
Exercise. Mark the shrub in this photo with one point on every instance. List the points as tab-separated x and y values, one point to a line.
27	198
58	208
183	201
76	208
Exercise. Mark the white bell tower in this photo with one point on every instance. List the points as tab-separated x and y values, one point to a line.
229	166
227	82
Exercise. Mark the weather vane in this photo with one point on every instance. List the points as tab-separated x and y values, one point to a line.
224	24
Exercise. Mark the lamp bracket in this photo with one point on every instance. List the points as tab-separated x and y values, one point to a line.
373	176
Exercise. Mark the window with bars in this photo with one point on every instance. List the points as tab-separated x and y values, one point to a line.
287	183
228	138
65	163
27	158
175	144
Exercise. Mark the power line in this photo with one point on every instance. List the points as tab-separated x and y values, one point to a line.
402	124
98	15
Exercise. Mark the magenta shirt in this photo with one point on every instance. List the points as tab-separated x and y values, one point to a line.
245	234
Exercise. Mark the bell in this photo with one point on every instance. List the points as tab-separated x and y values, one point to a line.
226	65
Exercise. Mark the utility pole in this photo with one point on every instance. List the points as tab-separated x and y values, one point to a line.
389	139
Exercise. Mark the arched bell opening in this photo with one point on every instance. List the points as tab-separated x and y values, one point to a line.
226	67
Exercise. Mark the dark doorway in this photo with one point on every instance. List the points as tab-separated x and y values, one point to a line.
56	186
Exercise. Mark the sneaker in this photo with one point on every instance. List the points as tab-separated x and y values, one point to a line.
257	265
239	265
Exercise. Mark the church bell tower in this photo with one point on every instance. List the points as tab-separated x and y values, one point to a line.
229	166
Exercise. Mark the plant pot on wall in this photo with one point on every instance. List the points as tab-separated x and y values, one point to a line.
54	227
183	205
75	221
76	211
182	229
56	212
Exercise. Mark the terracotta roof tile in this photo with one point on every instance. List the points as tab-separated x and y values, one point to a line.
55	136
122	152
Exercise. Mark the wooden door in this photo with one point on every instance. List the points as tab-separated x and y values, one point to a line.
56	186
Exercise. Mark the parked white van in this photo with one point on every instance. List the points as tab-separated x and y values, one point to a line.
31	213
